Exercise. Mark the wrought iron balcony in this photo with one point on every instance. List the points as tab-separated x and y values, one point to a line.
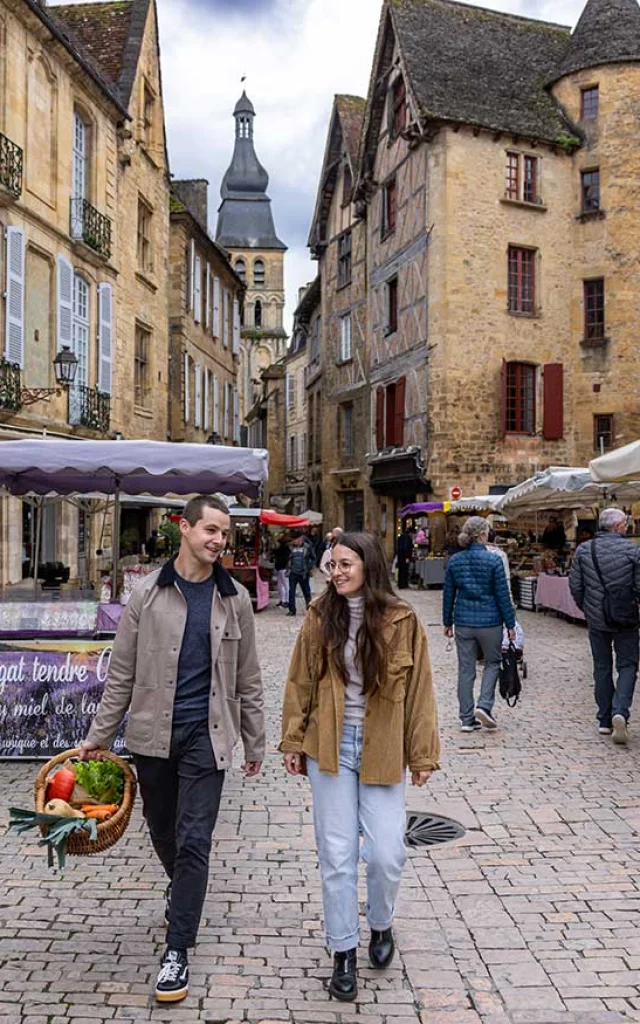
88	407
10	167
91	227
10	386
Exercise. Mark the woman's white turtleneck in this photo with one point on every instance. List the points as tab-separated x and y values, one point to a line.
354	698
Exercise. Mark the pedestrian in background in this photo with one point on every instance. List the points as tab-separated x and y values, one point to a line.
184	664
325	561
301	561
404	552
476	599
605	584
359	707
281	564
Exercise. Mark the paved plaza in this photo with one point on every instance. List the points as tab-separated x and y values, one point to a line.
531	918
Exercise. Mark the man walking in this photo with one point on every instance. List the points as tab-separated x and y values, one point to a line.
184	665
300	565
404	552
605	583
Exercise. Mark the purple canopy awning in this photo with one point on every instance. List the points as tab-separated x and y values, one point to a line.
419	507
48	466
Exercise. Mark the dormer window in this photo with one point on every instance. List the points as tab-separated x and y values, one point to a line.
398	119
589	103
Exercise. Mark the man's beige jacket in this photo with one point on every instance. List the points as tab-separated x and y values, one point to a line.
144	669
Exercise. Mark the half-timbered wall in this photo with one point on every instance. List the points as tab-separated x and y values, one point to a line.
344	379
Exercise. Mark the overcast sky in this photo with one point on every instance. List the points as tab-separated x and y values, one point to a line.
296	55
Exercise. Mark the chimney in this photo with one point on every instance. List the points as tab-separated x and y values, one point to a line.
193	193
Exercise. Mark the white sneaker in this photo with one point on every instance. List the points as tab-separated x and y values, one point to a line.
486	718
620	733
605	730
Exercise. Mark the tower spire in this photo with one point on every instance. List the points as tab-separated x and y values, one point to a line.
245	219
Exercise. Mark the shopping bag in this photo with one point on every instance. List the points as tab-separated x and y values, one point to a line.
510	685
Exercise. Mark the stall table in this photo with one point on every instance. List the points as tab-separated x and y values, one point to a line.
430	571
552	592
48	618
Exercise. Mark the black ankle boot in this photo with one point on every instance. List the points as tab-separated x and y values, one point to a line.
343	984
381	948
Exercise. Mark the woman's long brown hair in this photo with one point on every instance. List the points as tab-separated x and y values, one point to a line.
334	614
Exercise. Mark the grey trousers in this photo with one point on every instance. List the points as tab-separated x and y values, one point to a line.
467	642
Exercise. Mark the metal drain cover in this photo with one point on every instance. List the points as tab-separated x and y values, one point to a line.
431	830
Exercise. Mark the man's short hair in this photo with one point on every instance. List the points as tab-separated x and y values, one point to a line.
609	518
195	507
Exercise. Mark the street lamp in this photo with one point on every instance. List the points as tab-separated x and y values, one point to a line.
65	366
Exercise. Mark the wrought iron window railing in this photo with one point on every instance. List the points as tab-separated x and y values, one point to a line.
10	386
90	408
10	166
91	226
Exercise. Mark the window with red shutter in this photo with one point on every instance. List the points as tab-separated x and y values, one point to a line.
553	399
520	398
521	280
380	418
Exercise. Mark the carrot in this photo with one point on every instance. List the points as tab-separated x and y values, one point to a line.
101	812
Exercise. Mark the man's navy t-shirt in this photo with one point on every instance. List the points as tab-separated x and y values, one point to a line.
194	664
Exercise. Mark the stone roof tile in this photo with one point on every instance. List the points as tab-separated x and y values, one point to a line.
100	31
480	67
608	32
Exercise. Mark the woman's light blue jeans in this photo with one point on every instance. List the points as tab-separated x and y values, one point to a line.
344	807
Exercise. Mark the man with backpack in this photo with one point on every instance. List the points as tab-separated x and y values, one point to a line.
301	561
605	584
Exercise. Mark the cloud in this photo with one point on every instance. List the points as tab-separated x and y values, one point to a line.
296	55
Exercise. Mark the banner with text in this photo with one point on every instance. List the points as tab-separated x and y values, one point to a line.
50	691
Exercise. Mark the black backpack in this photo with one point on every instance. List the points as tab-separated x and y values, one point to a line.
510	685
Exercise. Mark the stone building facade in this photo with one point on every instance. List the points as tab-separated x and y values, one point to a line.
296	365
246	230
83	150
338	241
500	211
206	298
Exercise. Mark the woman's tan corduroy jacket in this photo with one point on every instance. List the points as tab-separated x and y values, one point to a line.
401	717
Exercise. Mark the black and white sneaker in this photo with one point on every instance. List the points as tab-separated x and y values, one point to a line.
605	730
486	718
173	977
470	726
167	904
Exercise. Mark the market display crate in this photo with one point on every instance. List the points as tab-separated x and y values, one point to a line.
526	593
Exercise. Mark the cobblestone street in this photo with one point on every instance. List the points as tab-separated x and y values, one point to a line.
531	918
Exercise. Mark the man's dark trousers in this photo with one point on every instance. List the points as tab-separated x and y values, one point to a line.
296	578
181	796
614	700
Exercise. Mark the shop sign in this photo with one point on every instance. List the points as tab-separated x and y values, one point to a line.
50	691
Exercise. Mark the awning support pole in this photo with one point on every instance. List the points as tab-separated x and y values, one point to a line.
115	543
39	507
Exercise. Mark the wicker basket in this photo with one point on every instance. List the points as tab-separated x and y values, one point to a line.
79	843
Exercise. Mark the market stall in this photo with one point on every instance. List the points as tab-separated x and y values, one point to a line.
246	556
540	563
49	689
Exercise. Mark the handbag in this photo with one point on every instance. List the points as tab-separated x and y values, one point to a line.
510	685
619	606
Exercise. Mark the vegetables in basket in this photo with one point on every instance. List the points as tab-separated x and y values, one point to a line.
58	827
102	780
61	784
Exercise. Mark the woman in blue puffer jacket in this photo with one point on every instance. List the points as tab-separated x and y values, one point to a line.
477	601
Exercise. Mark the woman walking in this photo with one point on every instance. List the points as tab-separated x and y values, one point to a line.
359	707
476	599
